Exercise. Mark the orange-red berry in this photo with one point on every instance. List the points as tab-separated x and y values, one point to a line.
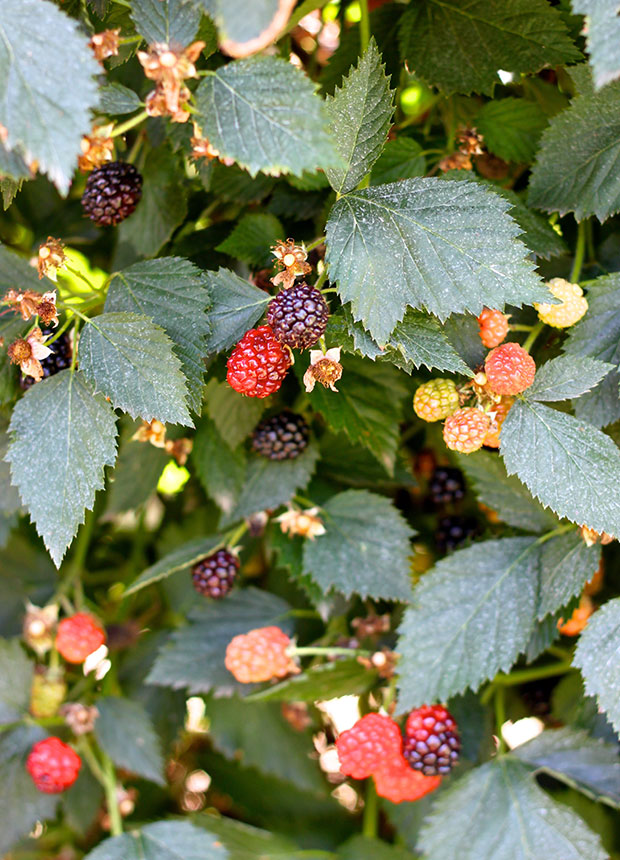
466	430
53	766
399	783
78	636
367	746
258	363
498	416
493	327
509	369
259	655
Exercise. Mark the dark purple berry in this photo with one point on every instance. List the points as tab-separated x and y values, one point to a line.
298	316
214	576
446	485
281	437
431	743
455	531
112	193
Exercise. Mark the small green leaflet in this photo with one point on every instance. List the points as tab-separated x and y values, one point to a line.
420	340
237	305
441	646
511	128
441	246
131	360
163	840
42	49
16	672
598	335
401	158
323	681
365	549
360	115
180	558
125	732
252	238
566	564
77	431
118	99
598	657
602	37
265	114
175	295
577	759
572	467
498	811
577	166
567	376
459	45
168	21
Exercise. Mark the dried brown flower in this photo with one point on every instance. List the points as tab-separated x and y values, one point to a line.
105	44
292	260
324	367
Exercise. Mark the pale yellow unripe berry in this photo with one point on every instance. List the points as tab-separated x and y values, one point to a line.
573	307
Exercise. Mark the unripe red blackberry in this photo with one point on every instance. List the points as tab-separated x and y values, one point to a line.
431	744
298	316
53	766
112	193
214	576
258	363
281	437
59	359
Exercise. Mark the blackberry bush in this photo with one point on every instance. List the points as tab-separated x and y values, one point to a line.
224	224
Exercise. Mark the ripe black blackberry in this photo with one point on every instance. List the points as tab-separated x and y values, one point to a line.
298	316
431	743
60	359
214	576
452	532
281	437
112	193
446	485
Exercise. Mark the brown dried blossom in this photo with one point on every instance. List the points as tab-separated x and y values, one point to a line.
180	449
24	301
51	258
151	431
456	161
105	44
28	353
97	148
470	141
169	67
306	523
292	260
80	718
324	367
39	627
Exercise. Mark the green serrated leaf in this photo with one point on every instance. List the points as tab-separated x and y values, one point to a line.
162	207
567	376
175	295
498	810
326	681
234	726
21	804
602	37
597	335
598	657
360	115
365	549
506	495
42	49
442	651
463	332
419	340
271	483
577	759
179	559
131	361
163	840
511	128
125	732
576	170
194	656
252	238
9	497
235	417
566	564
401	159
237	305
77	431
439	38
247	843
117	99
16	672
168	21
234	184
220	469
367	406
570	466
426	243
265	114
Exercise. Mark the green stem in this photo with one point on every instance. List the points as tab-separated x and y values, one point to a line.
519	327
321	278
371	811
130	123
500	716
315	244
303	613
319	650
529	343
580	251
364	25
73	577
109	774
523	676
82	277
60	332
87	752
237	534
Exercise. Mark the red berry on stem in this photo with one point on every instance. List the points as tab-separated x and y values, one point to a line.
259	655
53	765
509	369
367	746
258	363
493	327
399	783
78	636
432	743
465	431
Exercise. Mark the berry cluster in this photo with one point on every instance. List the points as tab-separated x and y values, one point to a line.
453	531
446	485
214	576
78	636
281	437
298	316
258	363
53	766
260	655
403	770
112	193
